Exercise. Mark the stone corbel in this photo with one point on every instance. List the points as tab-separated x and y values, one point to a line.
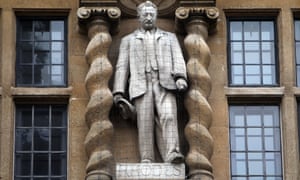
197	23
98	23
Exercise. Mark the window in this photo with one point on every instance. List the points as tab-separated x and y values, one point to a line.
252	54
255	145
40	142
41	57
297	44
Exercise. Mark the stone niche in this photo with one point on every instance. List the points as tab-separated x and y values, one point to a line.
112	142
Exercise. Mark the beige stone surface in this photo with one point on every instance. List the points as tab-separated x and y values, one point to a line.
124	139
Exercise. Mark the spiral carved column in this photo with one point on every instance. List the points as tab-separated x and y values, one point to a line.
97	142
197	23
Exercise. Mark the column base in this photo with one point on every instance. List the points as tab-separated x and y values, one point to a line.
96	175
201	174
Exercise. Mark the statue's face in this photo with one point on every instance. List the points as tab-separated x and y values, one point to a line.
147	18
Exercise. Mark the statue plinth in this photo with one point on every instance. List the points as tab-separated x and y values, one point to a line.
150	171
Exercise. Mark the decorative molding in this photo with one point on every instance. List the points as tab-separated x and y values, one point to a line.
86	15
208	15
165	7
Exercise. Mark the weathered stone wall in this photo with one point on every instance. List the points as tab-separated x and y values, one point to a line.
124	140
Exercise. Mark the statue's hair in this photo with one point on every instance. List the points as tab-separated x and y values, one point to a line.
145	4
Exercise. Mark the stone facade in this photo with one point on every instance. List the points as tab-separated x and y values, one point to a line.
207	157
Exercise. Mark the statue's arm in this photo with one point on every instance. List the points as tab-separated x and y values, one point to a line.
179	66
122	68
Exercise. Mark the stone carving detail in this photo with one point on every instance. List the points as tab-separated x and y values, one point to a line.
197	23
98	139
164	6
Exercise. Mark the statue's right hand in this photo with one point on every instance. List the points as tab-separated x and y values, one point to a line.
117	98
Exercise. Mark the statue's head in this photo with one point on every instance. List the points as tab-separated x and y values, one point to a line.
147	13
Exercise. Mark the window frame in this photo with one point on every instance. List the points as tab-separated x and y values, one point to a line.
49	152
276	51
32	18
263	151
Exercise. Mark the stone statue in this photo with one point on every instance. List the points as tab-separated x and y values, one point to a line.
151	60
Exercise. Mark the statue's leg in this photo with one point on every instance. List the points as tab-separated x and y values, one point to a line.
166	125
145	121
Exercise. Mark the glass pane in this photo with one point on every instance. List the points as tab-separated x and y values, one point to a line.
297	30
237	74
22	164
236	53
237	116
252	53
238	164
255	167
253	117
57	30
57	76
238	178
298	52
41	53
24	74
267	30
23	139
269	75
24	116
26	30
19	178
58	164
41	139
251	30
236	30
41	75
254	139
58	139
253	75
271	117
272	139
57	46
41	30
26	53
268	53
40	164
238	138
59	118
41	116
298	75
273	164
57	57
257	178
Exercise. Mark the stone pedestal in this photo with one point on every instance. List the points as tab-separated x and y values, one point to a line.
150	171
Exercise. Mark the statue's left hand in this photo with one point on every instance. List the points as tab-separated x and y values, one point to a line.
181	84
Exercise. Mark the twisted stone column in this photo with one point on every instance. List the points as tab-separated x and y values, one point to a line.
196	24
98	140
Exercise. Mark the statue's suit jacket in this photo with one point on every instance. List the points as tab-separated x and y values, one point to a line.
131	63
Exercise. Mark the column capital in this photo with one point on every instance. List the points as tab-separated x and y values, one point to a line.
111	15
207	15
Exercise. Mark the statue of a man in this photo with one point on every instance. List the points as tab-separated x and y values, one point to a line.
151	60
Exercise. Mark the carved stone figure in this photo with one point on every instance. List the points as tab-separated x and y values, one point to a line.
151	60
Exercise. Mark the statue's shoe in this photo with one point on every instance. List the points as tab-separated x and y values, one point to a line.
175	158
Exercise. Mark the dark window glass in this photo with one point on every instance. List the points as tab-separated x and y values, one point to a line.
41	142
297	49
41	57
255	142
252	53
